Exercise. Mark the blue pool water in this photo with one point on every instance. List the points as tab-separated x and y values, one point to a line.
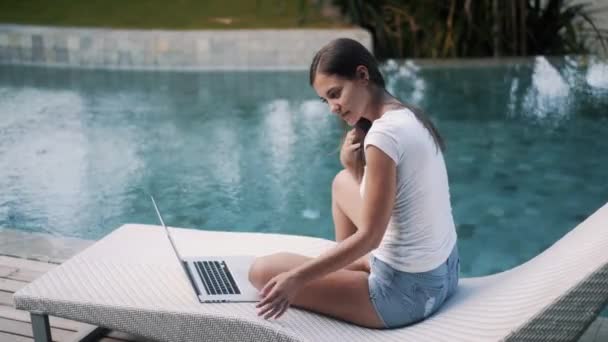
244	151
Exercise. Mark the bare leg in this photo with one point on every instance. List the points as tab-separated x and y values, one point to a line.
346	204
343	294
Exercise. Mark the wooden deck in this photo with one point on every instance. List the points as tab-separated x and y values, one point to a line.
15	325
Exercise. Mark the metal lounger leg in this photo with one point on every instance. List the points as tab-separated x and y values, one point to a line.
41	327
42	330
91	333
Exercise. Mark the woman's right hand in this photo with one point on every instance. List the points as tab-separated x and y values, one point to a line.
350	148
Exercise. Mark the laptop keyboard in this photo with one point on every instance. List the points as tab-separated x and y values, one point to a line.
216	277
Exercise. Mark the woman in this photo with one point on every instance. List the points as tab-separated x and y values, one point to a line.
398	209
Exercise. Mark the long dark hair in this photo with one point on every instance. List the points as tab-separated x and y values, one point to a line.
341	57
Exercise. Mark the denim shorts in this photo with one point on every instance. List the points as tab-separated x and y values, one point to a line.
402	298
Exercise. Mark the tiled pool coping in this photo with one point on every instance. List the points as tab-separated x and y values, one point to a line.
163	49
40	247
286	49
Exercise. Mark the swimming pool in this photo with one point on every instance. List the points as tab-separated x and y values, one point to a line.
256	151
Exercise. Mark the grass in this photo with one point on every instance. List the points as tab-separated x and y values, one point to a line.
163	14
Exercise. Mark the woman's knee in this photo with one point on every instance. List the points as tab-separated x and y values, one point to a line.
346	196
264	268
258	272
341	180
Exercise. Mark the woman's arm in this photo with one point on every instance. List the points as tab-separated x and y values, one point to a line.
378	202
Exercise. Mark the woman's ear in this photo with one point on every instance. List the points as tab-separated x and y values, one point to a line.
362	73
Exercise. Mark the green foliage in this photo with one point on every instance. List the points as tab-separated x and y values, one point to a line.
474	28
155	14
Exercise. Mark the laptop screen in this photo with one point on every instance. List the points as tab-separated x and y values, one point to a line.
166	230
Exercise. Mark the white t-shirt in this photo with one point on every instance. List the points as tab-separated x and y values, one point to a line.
421	233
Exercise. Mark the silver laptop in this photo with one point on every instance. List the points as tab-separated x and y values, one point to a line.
216	279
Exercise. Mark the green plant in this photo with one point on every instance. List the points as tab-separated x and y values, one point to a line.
467	28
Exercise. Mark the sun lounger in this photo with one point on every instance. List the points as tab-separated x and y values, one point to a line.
131	281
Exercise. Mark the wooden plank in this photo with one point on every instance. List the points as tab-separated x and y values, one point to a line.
24	316
11	313
6	298
8	337
5	271
26	264
112	339
22	269
10	285
126	337
14	330
90	334
15	325
25	329
62	323
20	274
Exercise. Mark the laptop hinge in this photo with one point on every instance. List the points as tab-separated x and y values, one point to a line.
194	285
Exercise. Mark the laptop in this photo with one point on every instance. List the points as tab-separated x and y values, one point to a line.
216	279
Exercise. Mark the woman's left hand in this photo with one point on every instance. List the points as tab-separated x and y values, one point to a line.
278	294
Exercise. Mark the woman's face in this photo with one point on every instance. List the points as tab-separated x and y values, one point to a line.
346	98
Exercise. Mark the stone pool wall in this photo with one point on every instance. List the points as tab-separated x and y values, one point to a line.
157	49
